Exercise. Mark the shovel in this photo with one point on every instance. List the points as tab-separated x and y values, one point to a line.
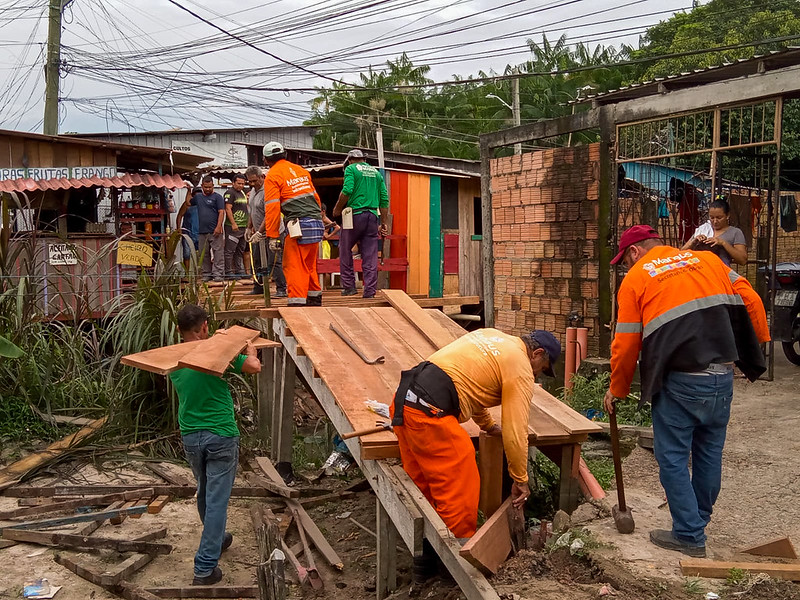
623	518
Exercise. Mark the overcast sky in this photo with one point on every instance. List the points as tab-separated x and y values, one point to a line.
185	86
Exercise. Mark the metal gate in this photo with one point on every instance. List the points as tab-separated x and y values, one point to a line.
669	170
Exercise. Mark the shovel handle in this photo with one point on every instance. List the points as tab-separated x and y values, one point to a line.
361	432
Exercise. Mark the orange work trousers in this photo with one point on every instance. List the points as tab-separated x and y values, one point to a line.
439	457
300	268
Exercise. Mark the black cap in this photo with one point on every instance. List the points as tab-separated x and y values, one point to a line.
547	342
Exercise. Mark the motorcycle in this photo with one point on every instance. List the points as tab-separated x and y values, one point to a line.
786	319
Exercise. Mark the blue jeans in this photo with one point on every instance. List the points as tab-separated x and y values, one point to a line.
213	459
690	418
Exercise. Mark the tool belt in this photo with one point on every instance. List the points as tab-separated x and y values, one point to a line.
427	388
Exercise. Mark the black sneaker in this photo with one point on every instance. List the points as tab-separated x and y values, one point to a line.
664	539
227	541
214	577
257	290
280	294
349	292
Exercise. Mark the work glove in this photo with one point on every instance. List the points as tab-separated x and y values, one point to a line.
274	244
256	237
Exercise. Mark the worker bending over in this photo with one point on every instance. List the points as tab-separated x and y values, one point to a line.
482	369
692	318
288	190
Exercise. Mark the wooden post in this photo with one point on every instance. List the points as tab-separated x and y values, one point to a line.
270	570
282	413
490	467
567	483
266	392
386	559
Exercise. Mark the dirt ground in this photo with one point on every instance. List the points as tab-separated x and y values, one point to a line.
761	485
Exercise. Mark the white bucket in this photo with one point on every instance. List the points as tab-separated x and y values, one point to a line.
347	218
293	227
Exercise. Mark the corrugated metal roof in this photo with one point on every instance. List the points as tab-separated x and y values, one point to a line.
123	180
775	59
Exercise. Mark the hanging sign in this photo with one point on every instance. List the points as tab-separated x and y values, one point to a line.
61	255
40	173
138	254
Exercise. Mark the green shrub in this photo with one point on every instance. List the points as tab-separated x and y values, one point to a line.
587	395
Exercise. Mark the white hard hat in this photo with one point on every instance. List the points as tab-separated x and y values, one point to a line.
273	148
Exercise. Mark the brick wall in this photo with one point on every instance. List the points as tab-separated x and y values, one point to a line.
544	227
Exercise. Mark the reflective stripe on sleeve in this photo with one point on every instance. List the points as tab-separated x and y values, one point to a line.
628	328
733	276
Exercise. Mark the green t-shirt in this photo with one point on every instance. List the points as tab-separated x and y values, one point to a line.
205	401
364	186
238	202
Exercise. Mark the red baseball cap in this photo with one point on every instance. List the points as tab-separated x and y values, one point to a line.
631	236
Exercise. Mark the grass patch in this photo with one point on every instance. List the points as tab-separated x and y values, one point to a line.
692	586
586	397
736	576
18	423
603	470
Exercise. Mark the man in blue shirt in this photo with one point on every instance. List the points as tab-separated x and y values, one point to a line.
210	218
189	229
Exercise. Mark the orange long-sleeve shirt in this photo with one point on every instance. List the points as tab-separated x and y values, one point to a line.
288	190
491	368
684	310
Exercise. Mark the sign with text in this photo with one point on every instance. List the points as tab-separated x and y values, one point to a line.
61	255
39	173
138	254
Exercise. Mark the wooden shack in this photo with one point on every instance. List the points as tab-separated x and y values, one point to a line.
66	203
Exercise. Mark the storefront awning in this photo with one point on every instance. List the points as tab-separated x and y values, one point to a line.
123	180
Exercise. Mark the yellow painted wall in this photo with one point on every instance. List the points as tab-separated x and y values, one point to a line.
419	202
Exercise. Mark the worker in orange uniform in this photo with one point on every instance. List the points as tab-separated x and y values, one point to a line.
288	190
459	382
692	318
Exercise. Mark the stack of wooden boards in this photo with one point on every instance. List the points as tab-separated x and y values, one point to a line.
212	356
404	334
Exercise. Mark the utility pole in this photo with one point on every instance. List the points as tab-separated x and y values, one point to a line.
52	69
515	108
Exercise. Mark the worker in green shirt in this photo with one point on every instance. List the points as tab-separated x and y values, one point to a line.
364	191
210	441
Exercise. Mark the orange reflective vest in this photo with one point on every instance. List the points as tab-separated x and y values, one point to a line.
288	190
683	311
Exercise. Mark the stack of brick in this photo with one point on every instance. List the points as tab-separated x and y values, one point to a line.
544	227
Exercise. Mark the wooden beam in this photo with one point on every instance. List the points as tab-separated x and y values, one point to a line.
206	591
124	569
73	504
263	464
719	569
490	467
95	516
119	518
64	540
414	314
283	409
781	548
87	573
177	491
487	236
541	130
14	472
386	559
157	505
164	471
491	545
130	591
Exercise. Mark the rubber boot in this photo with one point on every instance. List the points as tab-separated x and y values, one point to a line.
258	290
314	300
424	566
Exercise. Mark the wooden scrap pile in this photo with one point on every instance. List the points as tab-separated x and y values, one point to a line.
46	513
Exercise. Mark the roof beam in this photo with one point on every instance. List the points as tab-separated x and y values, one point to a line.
543	129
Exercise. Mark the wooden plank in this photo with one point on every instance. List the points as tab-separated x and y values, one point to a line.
118	519
130	591
433	332
215	354
64	540
14	472
206	591
491	545
259	311
166	473
89	574
418	237
73	504
277	486
283	409
719	569
157	505
124	569
490	467
93	526
177	491
386	553
96	516
164	360
156	534
781	548
306	521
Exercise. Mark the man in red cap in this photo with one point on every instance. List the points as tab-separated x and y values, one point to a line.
692	318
